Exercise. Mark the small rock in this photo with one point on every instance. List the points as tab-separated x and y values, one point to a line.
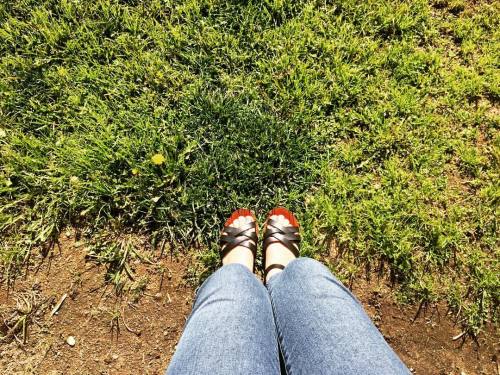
71	341
114	356
158	296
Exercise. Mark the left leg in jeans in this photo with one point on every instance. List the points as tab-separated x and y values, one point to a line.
231	329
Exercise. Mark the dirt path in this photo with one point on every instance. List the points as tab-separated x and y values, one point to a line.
137	333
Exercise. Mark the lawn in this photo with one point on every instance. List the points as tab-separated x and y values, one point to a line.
376	121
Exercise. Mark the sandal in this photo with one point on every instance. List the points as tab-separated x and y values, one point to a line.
274	232
243	236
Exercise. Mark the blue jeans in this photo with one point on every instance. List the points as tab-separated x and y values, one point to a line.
237	326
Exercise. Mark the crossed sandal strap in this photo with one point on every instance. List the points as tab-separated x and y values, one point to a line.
243	236
288	236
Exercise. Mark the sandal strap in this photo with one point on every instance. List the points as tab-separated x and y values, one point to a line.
288	236
242	236
272	267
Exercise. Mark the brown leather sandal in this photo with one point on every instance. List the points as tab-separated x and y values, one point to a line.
274	232
243	236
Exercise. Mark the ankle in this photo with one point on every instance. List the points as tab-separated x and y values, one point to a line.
277	254
240	255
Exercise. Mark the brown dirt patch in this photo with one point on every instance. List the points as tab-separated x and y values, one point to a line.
136	333
132	334
426	342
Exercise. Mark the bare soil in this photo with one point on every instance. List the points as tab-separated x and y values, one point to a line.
136	332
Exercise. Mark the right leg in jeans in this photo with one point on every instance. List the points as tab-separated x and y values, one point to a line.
231	329
322	328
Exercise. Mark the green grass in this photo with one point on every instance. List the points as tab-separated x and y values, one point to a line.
377	121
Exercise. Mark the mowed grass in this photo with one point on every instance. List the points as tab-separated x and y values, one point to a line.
376	121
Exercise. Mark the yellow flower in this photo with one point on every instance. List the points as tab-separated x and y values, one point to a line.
62	71
158	159
74	180
135	171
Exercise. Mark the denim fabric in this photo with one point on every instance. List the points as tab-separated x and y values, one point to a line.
321	327
231	328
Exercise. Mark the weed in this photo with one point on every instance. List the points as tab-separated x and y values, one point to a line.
15	322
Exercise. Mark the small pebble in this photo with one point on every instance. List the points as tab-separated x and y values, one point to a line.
71	341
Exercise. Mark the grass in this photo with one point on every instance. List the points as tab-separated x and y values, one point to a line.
377	121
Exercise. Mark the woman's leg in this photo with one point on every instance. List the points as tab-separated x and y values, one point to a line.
231	329
322	328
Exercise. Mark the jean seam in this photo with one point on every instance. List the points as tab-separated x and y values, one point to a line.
281	345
